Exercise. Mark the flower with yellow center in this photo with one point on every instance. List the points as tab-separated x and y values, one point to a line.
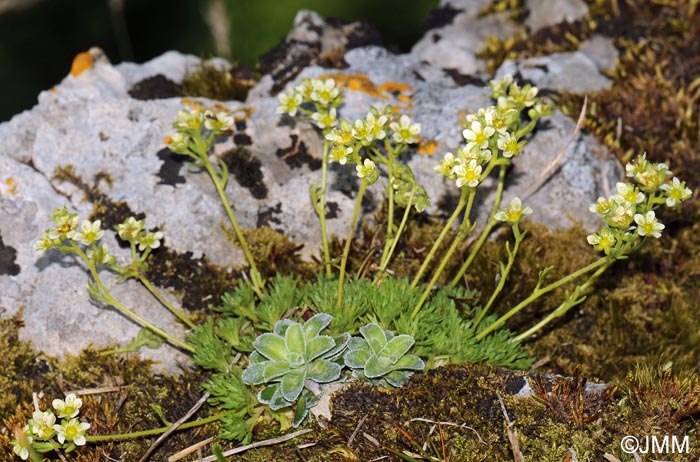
69	407
602	240
676	192
648	225
289	103
478	134
513	213
404	131
71	430
467	173
368	171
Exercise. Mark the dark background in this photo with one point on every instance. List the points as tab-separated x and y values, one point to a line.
39	39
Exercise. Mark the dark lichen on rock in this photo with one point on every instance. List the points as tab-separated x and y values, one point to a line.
247	170
8	259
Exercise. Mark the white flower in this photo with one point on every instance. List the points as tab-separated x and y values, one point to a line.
89	232
289	103
447	165
149	240
514	212
509	144
71	430
468	173
66	224
640	165
43	244
629	193
602	240
218	123
676	192
340	154
178	143
601	206
130	229
375	125
41	424
478	134
22	448
341	135
68	408
621	213
189	120
522	97
404	131
324	91
305	89
648	225
325	119
368	171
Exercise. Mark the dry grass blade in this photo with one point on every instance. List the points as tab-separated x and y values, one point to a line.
259	444
189	450
512	433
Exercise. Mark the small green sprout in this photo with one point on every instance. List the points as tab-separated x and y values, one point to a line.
381	357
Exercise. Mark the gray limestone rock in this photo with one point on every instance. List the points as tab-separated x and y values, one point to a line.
545	13
571	71
91	123
602	51
455	46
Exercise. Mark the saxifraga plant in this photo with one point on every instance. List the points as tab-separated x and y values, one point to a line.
266	359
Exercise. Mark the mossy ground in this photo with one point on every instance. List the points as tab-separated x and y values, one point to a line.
644	314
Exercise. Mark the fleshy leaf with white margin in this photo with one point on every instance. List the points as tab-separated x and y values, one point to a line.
323	371
292	384
272	346
316	324
374	335
397	347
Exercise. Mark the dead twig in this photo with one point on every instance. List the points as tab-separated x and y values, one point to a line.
259	444
357	429
512	433
189	450
175	426
449	424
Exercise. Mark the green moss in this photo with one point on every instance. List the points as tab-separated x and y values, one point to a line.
124	391
216	82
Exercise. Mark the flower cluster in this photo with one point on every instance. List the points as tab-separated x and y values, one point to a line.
68	232
629	213
131	230
44	434
349	139
189	125
494	134
317	99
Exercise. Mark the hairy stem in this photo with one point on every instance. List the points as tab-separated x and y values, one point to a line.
322	209
486	231
153	431
538	292
177	312
348	243
446	258
110	300
504	273
443	233
569	303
